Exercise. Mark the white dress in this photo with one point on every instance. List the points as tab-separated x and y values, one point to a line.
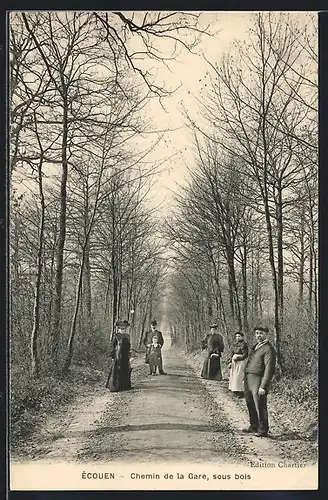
236	380
237	370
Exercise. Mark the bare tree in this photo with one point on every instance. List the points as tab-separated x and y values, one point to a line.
72	49
259	119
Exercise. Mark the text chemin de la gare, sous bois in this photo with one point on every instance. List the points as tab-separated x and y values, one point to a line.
225	476
154	475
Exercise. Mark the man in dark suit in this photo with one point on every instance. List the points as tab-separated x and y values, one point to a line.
259	371
153	332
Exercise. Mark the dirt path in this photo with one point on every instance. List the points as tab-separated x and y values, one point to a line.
174	418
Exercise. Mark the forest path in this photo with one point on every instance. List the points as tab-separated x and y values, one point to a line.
177	417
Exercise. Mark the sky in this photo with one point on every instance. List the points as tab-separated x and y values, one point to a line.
188	73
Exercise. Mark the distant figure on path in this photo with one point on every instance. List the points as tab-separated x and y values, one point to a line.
259	371
239	353
119	378
215	347
148	342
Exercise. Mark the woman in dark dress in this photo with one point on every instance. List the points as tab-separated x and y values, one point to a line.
212	362
119	378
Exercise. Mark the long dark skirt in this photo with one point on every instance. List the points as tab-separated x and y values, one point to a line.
212	368
119	377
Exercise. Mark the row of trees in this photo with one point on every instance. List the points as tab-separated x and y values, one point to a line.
84	250
245	226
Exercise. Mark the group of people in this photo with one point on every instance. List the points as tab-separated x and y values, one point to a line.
119	377
251	372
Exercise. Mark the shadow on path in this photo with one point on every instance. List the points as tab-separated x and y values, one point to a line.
166	426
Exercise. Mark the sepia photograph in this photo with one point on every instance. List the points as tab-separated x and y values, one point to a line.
163	237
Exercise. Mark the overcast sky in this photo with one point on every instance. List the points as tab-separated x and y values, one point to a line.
188	72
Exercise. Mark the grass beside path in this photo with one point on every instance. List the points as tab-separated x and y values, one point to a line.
33	401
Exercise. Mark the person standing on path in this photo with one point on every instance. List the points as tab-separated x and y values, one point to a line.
153	332
119	378
239	353
259	370
215	347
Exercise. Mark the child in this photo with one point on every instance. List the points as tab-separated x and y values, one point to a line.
154	356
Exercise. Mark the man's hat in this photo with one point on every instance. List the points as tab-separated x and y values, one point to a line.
154	322
122	324
261	329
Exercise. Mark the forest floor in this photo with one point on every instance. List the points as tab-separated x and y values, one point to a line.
178	417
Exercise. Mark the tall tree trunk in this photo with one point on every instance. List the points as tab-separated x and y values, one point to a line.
114	272
114	303
231	300
280	255
119	290
245	295
86	304
253	286
310	295
107	294
277	322
150	316
61	239
86	287
315	289
301	266
15	257
218	292
35	364
234	297
15	283
143	328
259	306
50	302
69	355
256	285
